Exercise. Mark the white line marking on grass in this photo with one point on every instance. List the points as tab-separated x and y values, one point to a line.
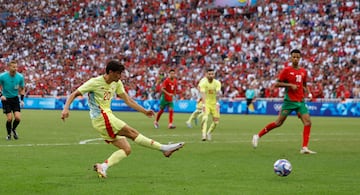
53	144
32	145
194	140
89	140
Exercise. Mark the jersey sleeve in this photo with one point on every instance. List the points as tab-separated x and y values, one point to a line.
86	87
305	77
1	80
120	88
283	75
201	81
202	86
176	86
165	84
22	81
218	86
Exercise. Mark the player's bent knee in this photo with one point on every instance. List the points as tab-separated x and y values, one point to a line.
127	151
307	123
278	124
126	148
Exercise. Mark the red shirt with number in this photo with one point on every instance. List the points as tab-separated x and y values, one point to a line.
297	76
170	86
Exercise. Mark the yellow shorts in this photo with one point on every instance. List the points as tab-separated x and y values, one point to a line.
213	110
108	125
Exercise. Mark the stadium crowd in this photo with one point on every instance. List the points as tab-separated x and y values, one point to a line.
59	44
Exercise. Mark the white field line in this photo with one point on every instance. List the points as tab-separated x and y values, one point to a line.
92	142
89	140
243	138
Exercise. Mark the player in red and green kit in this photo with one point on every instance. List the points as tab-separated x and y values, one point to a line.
168	89
293	78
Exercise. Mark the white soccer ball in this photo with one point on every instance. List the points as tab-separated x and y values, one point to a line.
282	167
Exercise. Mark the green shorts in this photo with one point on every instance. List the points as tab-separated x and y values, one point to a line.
108	125
288	106
164	103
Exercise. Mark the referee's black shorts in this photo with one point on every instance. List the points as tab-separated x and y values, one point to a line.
11	105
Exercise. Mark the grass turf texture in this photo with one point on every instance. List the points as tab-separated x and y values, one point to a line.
48	159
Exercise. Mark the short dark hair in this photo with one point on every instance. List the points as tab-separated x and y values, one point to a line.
295	51
12	62
114	66
210	70
171	70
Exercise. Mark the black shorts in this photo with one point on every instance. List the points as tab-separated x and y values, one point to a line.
11	105
248	101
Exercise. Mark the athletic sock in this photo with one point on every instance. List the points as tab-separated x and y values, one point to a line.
204	124
15	124
171	116
144	141
159	114
115	158
306	135
212	127
8	127
199	115
192	116
267	128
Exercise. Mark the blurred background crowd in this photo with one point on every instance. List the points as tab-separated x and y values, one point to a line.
59	44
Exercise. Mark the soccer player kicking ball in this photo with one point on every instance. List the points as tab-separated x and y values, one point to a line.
294	80
114	131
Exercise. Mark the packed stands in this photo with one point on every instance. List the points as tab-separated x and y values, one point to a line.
61	43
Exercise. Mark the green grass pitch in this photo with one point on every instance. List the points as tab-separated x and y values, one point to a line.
49	159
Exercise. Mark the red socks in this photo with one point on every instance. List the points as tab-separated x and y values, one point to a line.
171	116
306	132
159	114
306	135
267	129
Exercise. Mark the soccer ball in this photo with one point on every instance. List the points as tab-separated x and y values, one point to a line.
282	167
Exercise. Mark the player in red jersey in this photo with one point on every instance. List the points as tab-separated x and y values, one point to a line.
168	89
293	78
